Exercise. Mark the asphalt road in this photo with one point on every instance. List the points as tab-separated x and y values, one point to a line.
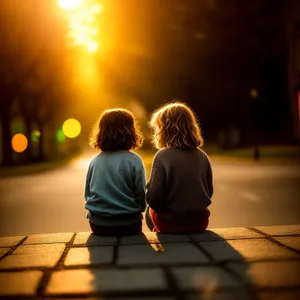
246	194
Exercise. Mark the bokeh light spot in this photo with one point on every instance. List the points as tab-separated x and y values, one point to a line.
60	137
19	142
36	135
71	128
70	4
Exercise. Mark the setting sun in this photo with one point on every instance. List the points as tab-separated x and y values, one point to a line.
83	22
70	4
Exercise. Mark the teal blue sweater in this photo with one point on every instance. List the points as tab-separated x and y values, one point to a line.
115	189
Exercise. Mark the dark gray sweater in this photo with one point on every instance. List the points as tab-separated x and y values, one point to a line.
180	185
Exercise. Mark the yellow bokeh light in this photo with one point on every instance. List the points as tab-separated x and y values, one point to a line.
82	16
71	128
70	4
19	142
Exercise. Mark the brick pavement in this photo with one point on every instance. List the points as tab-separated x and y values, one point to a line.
226	263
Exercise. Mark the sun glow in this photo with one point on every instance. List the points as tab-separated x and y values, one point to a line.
82	16
70	4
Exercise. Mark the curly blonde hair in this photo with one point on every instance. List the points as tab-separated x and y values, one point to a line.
175	125
116	129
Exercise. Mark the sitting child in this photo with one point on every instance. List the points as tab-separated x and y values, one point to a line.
180	185
116	181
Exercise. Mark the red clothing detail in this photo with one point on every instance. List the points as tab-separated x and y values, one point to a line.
168	227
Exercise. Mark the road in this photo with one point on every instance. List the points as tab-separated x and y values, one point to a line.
246	194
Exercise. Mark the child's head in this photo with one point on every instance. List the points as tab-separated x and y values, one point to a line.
175	125
117	129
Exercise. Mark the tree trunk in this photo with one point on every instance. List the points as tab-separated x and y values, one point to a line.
41	156
7	159
29	150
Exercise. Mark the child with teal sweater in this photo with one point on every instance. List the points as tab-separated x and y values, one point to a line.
116	180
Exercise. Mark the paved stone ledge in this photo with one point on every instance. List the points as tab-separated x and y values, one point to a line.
224	263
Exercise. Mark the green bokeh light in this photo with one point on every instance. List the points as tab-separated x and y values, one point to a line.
36	136
60	137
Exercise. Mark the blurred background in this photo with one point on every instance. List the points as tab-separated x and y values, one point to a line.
62	62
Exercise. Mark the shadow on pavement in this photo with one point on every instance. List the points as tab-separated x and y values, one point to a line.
153	265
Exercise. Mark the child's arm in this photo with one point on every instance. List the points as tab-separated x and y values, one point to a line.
140	185
156	186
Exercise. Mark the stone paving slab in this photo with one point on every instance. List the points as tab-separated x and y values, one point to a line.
171	253
89	281
201	278
115	298
89	256
46	255
90	239
219	295
269	274
253	249
3	251
279	295
225	233
290	241
153	238
221	264
10	241
280	230
19	283
49	238
140	298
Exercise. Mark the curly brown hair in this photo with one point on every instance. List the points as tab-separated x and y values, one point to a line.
175	125
117	129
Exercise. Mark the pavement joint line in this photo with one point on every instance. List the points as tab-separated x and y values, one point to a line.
43	282
125	294
272	240
204	251
116	251
230	239
112	294
46	275
236	276
272	235
172	284
66	251
257	231
242	284
284	235
13	248
143	266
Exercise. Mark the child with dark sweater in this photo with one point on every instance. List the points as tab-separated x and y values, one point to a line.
180	187
116	181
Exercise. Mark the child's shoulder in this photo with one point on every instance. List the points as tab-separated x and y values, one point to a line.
163	153
174	152
117	156
204	156
202	152
134	156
